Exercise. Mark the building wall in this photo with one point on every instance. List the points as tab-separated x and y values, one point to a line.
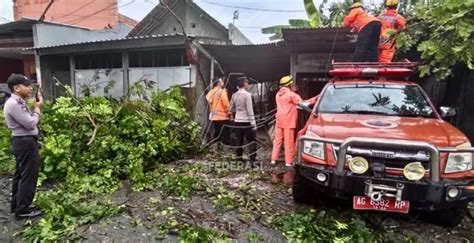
199	25
93	14
236	37
97	70
195	23
169	24
127	21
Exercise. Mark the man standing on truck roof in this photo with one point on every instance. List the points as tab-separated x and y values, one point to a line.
219	106
286	119
368	29
392	24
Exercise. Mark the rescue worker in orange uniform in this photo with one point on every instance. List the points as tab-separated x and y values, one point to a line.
392	24
286	119
219	107
368	29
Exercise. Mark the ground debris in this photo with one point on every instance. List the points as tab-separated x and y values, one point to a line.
238	206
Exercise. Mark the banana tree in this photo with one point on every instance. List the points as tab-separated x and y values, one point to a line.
314	20
337	12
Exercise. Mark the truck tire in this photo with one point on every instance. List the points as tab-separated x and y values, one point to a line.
449	217
302	190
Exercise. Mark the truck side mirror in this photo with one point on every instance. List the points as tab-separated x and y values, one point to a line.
305	106
447	112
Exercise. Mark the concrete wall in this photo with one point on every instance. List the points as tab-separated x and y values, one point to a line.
50	35
195	23
236	37
200	25
169	25
97	14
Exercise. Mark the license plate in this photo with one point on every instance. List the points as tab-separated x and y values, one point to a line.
386	205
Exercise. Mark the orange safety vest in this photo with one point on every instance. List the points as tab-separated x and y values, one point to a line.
392	22
219	106
358	19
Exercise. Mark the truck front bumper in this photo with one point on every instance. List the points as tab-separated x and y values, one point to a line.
422	195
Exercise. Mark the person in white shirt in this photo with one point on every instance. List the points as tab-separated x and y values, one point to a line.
244	119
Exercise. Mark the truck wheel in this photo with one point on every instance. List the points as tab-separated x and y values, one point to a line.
449	217
302	190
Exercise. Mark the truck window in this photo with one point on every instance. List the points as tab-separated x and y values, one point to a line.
390	100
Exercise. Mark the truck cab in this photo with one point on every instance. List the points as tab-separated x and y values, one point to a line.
376	139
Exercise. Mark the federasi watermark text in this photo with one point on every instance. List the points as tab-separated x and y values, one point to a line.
233	166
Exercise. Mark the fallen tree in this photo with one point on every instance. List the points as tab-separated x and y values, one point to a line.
91	144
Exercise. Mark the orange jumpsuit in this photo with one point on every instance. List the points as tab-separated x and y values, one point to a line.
367	28
392	22
358	18
286	119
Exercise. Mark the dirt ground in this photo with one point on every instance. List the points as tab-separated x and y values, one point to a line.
147	215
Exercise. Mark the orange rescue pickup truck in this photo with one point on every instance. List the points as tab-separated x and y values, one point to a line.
377	139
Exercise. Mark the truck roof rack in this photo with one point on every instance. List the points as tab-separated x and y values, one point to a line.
372	69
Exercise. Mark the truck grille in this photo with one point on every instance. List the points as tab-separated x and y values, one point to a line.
392	159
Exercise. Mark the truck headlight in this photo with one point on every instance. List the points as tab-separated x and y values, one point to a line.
359	165
414	171
459	162
315	149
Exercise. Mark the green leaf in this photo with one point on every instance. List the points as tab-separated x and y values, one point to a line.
313	13
299	23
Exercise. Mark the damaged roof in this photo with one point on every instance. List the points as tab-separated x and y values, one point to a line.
264	62
320	39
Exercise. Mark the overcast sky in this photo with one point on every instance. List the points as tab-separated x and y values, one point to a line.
249	22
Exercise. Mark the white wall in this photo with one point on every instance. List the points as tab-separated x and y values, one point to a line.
97	80
165	77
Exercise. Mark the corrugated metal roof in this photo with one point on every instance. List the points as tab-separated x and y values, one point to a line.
28	22
316	33
24	27
320	39
269	44
264	62
105	40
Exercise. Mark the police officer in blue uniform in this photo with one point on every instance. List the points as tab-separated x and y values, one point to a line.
24	126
